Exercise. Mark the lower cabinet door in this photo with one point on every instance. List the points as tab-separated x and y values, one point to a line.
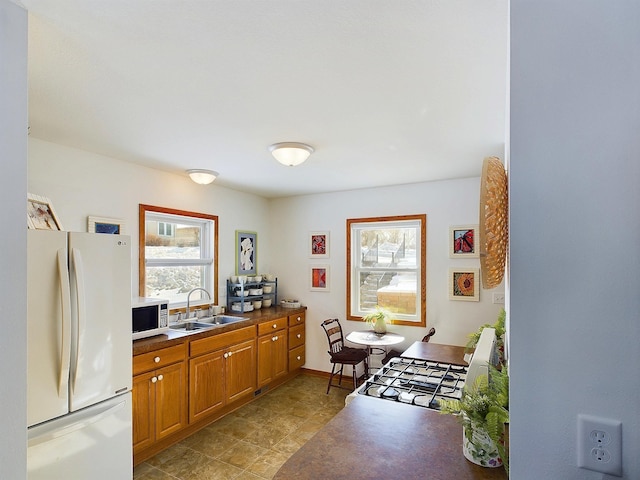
171	399
280	355
272	357
240	370
265	369
143	407
206	384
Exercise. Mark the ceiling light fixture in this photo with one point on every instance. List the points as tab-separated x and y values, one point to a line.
203	177
291	153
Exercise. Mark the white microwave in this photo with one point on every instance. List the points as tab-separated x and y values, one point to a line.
149	317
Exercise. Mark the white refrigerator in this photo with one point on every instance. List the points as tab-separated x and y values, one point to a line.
79	356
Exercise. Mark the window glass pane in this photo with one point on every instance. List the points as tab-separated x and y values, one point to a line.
184	241
388	246
175	282
394	290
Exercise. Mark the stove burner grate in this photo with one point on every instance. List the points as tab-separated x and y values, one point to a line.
416	382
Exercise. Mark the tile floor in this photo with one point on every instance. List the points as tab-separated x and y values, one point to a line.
254	441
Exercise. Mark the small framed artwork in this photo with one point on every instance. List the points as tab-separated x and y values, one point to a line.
319	245
464	284
40	214
246	253
463	241
113	226
319	278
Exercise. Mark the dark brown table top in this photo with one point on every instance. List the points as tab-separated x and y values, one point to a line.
375	439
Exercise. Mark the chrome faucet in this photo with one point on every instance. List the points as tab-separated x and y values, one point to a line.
189	297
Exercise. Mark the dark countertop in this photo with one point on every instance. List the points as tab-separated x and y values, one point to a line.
373	439
175	337
435	351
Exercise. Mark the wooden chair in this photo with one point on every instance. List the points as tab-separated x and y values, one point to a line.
341	355
430	334
395	353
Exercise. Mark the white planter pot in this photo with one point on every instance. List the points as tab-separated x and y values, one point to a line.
480	450
380	326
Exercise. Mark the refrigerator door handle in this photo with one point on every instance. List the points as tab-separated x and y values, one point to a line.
81	309
44	433
65	294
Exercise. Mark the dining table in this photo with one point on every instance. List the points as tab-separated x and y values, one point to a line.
376	343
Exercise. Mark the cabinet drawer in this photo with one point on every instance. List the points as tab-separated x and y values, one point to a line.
296	358
296	336
296	319
221	340
272	325
159	358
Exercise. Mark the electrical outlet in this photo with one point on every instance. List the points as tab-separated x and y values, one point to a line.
598	437
600	444
498	298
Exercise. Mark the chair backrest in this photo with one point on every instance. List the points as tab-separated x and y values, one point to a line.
333	329
428	336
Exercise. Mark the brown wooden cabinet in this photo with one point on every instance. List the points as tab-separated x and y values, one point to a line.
179	389
296	341
272	350
159	395
222	369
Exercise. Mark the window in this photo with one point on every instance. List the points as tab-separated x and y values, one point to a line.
386	265
165	229
178	252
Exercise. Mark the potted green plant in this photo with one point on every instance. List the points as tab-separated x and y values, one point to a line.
483	411
379	319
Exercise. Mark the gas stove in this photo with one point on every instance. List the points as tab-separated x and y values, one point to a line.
424	383
415	382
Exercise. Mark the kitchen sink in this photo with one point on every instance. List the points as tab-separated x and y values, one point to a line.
222	319
189	326
207	322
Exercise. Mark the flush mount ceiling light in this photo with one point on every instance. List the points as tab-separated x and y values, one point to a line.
203	177
291	153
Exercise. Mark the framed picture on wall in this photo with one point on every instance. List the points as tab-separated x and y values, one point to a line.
319	278
113	226
463	241
246	253
464	284
40	214
318	244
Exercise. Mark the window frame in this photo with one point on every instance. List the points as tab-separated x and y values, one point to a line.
213	249
421	270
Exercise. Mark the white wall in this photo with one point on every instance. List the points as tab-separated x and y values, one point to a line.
445	203
13	241
575	230
81	183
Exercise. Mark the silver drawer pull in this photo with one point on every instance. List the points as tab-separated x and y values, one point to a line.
156	359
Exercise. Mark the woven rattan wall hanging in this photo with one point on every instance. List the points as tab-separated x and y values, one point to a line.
494	222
